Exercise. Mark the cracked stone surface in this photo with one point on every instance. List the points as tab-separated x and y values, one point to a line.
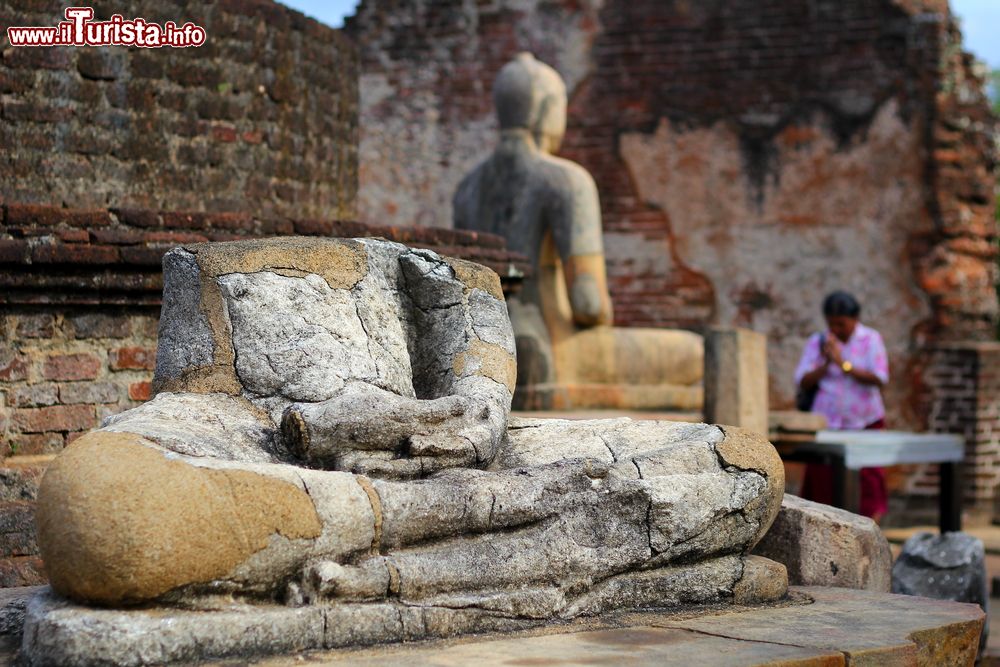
818	626
342	461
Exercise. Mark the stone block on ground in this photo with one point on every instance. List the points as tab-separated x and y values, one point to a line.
944	567
826	546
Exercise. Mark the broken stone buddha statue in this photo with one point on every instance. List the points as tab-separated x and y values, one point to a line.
331	427
569	355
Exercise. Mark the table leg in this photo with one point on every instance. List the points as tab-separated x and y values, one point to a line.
846	486
950	497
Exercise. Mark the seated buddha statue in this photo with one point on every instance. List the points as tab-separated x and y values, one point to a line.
332	425
569	354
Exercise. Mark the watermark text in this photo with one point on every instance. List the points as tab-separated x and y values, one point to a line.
79	29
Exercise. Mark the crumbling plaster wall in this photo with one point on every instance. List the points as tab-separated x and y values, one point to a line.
828	217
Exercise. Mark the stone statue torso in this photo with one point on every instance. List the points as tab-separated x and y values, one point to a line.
525	195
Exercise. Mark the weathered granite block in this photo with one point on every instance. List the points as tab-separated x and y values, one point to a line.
826	546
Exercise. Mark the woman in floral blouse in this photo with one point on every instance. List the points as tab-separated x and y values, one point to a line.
849	365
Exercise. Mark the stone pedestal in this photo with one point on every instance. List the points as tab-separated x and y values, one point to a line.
814	626
736	379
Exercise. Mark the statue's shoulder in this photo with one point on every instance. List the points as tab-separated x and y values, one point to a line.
566	175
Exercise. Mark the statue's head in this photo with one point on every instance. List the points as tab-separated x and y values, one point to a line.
530	95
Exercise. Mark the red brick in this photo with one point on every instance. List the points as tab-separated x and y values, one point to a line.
14	251
36	325
17	528
140	391
22	570
225	236
143	255
175	237
32	444
57	57
132	358
59	253
15	82
32	395
55	418
116	236
254	137
224	133
349	228
75	435
73	235
40	214
99	325
36	112
138	217
313	227
13	367
89	392
34	214
231	221
184	220
91	218
81	366
277	227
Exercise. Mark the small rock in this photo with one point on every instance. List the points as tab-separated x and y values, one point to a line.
944	567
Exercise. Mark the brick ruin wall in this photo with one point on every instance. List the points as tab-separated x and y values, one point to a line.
751	156
965	400
254	133
262	118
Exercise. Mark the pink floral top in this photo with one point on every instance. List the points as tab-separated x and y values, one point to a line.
845	402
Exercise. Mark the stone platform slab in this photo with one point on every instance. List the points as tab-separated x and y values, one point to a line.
819	627
815	626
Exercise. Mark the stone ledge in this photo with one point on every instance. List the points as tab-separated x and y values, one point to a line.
51	254
822	626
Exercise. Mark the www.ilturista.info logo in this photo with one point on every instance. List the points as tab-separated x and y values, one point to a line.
79	30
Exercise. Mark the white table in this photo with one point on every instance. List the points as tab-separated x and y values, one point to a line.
849	451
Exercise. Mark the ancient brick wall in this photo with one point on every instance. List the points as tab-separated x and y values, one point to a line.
751	155
262	118
64	369
963	397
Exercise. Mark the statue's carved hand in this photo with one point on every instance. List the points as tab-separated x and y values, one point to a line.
385	435
590	307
